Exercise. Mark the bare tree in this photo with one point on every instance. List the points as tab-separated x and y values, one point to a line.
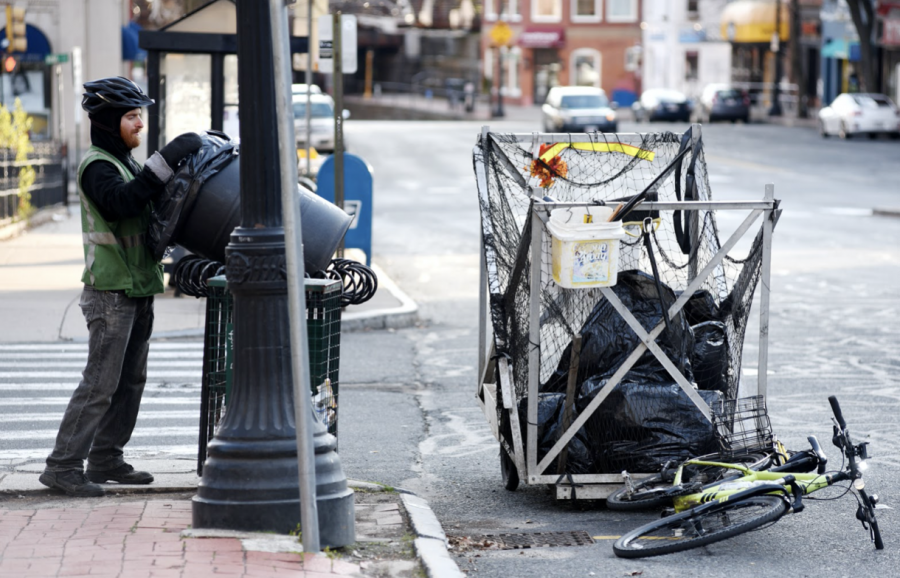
798	72
863	14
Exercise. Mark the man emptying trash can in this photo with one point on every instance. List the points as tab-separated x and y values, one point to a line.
120	279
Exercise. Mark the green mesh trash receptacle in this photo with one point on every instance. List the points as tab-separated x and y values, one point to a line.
323	328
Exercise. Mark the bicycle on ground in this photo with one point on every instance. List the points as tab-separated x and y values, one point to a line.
736	505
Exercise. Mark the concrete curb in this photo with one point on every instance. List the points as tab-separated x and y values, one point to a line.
396	318
431	542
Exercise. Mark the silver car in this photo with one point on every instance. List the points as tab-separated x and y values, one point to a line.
578	109
321	122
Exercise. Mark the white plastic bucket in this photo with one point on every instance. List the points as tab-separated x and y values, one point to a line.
584	247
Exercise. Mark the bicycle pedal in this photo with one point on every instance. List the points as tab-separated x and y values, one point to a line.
667	512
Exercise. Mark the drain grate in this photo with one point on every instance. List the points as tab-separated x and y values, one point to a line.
521	541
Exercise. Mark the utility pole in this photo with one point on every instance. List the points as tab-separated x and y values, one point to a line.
775	109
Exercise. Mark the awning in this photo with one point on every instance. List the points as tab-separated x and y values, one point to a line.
542	38
753	21
840	49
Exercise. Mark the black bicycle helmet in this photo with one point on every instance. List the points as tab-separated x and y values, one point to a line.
113	92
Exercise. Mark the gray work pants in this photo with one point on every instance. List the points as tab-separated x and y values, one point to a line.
103	410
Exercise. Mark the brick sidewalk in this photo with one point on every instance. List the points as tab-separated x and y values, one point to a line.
138	540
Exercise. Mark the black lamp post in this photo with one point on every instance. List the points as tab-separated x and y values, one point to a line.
250	479
775	109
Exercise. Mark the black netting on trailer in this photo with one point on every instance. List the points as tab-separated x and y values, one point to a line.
705	341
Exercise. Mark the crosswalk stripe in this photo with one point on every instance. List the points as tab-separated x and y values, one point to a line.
50	434
144	415
154	355
77	375
197	363
60	347
19	401
158	386
130	451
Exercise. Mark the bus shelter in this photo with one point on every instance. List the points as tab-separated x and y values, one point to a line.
192	73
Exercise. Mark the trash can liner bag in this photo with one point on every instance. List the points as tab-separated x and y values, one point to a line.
201	205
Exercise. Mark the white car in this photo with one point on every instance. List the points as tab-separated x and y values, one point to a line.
321	121
578	109
860	113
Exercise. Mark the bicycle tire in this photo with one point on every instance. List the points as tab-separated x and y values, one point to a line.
650	493
685	531
872	521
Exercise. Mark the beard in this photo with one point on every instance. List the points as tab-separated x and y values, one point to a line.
133	140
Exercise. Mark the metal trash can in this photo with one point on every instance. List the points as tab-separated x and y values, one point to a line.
323	327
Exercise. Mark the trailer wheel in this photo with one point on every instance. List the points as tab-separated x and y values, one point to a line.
508	471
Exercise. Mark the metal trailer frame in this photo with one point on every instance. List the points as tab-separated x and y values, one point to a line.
524	457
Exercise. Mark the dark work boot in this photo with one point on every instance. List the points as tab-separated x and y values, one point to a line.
124	474
73	483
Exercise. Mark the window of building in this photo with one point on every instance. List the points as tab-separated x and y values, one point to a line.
691	68
692	8
585	67
621	10
586	11
508	10
546	10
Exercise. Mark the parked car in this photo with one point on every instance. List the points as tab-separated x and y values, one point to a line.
578	109
662	104
723	102
858	113
321	121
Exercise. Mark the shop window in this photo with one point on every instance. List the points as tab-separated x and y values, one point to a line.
693	9
621	11
586	10
691	68
508	10
585	67
546	10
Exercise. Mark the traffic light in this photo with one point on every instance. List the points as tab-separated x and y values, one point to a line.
15	29
9	64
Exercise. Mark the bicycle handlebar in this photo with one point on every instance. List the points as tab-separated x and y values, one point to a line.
836	408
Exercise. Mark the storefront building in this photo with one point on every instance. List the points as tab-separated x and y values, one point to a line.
560	43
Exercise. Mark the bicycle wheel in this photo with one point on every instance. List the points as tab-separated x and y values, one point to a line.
689	529
654	492
650	493
868	514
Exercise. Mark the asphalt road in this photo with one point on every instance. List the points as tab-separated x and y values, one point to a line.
834	330
408	415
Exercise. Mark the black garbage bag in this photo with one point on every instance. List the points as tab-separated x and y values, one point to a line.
700	308
550	418
710	358
181	193
607	340
640	426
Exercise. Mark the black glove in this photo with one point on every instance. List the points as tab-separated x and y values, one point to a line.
180	147
164	161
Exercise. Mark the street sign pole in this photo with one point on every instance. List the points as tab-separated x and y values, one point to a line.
336	26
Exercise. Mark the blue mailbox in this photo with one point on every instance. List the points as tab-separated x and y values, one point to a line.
357	199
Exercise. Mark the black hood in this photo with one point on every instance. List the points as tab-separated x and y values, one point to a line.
105	134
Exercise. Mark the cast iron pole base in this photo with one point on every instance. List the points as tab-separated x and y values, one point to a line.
250	480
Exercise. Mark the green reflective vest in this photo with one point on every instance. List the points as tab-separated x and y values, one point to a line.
115	257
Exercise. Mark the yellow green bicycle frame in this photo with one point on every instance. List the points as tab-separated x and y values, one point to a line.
722	491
